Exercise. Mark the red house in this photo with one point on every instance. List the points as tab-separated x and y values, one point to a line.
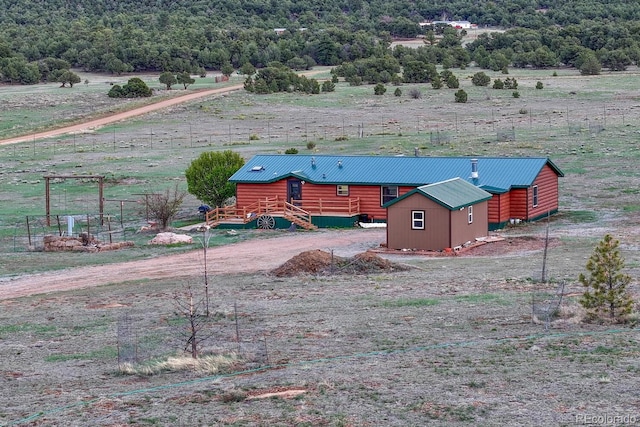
334	191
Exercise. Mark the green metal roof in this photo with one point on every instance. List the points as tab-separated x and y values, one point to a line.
453	194
497	174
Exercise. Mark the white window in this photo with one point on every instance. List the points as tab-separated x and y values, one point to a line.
470	214
389	192
417	220
535	196
342	190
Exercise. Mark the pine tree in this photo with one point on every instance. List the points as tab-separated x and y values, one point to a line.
606	284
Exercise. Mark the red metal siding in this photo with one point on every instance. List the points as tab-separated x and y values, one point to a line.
499	208
547	182
522	198
369	195
371	198
518	198
247	194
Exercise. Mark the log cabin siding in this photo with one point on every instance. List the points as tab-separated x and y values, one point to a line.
547	183
247	194
370	195
371	199
499	208
518	198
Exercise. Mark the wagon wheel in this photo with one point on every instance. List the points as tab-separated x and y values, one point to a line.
266	222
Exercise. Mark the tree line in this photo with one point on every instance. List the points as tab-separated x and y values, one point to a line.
122	37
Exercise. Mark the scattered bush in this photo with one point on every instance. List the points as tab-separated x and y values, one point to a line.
311	145
397	92
135	88
515	94
291	151
510	83
461	96
498	84
415	93
379	89
480	79
539	85
453	82
328	86
253	137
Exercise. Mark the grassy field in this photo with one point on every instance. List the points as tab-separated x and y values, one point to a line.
449	342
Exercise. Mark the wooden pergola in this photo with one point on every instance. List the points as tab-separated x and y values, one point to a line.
100	179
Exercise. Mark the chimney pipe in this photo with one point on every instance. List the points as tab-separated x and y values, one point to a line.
474	168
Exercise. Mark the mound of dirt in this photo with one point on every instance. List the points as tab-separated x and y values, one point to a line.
321	262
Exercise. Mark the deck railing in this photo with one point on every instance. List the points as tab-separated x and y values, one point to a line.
298	215
300	209
348	207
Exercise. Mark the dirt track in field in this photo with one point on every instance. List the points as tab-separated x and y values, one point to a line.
245	257
97	123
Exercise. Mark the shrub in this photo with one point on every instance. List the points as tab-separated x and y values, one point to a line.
379	89
397	92
291	151
453	82
539	85
328	86
311	145
415	93
510	83
135	88
498	84
461	96
480	79
253	137
515	94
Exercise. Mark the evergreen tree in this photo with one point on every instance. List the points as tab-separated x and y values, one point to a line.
606	285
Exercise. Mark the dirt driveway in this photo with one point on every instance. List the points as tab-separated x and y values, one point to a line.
93	124
245	257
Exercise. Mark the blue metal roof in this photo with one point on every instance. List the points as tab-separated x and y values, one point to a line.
496	174
452	194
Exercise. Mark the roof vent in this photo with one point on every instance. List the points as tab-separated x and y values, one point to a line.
257	168
313	162
340	164
474	168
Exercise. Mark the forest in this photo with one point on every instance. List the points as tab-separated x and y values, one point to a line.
39	40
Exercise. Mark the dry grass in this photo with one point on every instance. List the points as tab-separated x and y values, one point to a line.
204	365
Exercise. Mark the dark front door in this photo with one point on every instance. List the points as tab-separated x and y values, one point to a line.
294	190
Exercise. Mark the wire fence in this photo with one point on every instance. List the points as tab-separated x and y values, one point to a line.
442	127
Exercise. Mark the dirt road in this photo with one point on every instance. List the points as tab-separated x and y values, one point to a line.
94	124
245	257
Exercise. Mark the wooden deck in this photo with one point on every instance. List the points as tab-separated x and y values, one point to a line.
299	212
